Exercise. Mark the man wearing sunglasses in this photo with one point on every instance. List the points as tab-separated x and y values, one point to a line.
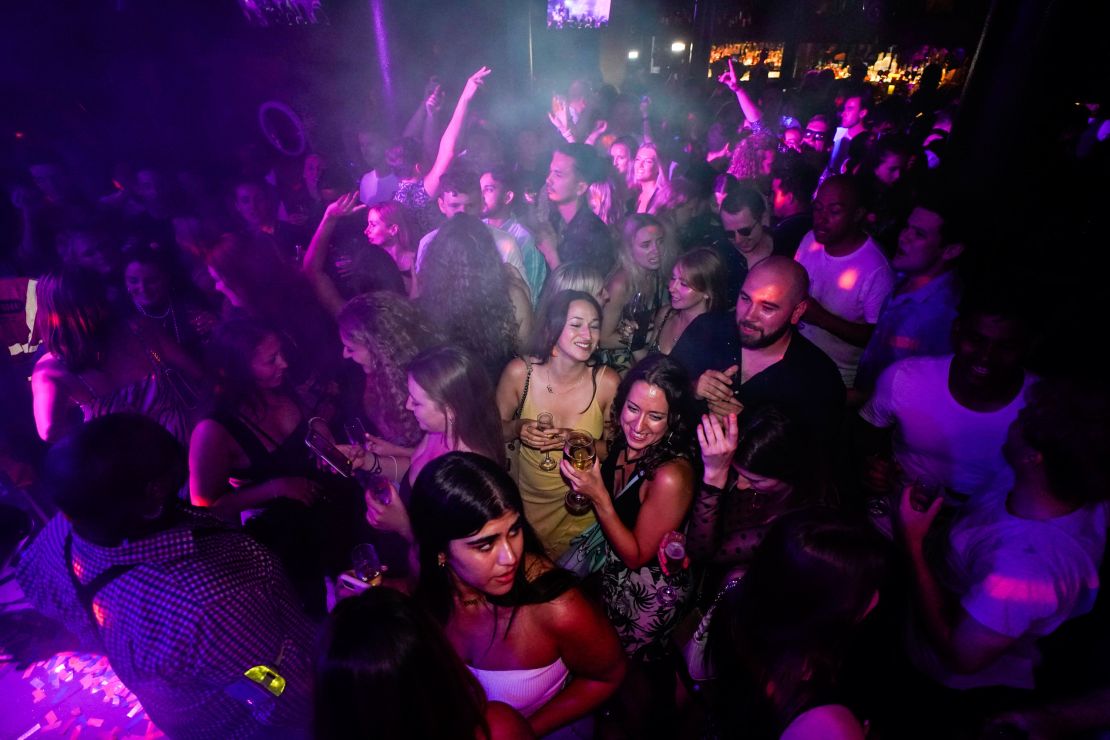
742	214
816	134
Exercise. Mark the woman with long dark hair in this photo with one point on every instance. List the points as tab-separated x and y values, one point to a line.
464	289
527	634
453	403
777	640
98	363
557	378
640	493
386	670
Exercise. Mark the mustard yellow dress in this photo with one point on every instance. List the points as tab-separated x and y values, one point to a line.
542	491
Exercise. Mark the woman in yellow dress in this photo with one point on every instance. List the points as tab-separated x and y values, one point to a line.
553	390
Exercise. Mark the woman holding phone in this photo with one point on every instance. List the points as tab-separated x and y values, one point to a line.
248	460
451	397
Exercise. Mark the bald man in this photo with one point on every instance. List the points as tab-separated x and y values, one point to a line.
778	366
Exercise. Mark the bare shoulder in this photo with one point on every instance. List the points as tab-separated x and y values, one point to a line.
209	433
827	722
563	606
617	286
514	371
50	367
674	474
608	380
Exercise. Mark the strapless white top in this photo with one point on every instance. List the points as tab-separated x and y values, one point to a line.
524	690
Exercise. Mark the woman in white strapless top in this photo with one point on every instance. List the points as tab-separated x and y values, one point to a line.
527	633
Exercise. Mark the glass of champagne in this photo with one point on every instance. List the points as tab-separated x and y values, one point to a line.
581	451
544	422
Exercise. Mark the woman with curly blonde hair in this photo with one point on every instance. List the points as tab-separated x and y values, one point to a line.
382	332
464	290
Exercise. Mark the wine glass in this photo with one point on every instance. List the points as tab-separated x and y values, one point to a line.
581	451
544	422
366	565
632	316
674	562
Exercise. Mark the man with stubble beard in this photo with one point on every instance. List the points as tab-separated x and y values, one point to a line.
778	366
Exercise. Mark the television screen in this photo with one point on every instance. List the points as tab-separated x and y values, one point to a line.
578	13
282	12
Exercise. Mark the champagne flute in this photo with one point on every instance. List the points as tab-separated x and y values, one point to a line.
581	451
544	422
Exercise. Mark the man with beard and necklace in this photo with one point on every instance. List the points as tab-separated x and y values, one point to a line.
778	366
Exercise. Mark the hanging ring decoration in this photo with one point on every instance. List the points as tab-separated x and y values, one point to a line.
283	128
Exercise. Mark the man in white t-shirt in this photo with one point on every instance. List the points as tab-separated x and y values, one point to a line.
379	182
849	276
1022	561
949	414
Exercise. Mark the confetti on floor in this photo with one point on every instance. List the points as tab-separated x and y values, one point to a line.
70	695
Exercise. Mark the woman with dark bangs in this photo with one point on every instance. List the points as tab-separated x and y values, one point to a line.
386	671
526	633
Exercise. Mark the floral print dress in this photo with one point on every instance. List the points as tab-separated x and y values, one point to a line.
635	600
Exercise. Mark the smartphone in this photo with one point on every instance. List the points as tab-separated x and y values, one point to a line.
329	453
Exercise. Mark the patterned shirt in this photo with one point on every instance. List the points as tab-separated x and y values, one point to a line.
181	626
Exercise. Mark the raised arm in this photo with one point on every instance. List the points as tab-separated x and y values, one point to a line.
718	444
316	257
748	107
450	138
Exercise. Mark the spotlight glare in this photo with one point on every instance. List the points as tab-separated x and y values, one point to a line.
633	54
678	47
